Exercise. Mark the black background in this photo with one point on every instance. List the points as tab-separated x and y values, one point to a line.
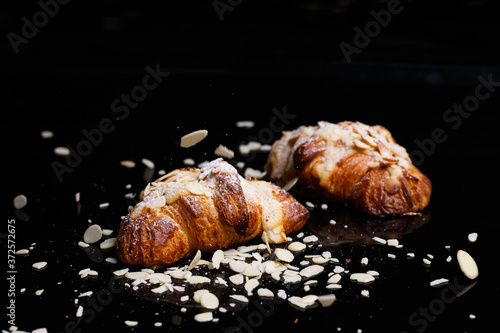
262	57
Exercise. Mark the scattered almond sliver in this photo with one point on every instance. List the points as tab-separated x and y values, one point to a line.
467	264
193	138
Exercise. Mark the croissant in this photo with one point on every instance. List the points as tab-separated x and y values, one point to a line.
204	209
350	162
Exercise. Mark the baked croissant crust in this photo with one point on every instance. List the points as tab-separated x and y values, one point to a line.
350	162
204	209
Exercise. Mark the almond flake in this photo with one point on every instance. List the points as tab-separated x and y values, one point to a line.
303	302
379	240
223	151
92	234
161	289
39	265
198	293
312	270
291	183
240	298
297	246
131	323
108	243
23	252
335	278
120	272
362	278
264	292
79	311
217	258
438	282
237	279
62	151
327	300
209	301
237	266
82	244
127	164
20	201
251	284
472	237
195	260
251	271
392	242
193	138
245	124
204	317
284	255
467	264
137	275
195	279
310	239
148	163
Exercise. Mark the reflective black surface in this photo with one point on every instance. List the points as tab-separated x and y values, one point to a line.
281	72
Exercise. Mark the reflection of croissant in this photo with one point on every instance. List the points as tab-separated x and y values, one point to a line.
350	162
191	209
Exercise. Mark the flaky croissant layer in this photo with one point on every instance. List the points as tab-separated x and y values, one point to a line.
204	209
350	162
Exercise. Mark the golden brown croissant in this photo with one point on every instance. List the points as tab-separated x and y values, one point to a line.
191	209
350	162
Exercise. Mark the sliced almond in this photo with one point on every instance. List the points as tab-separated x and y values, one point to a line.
195	279
204	317
108	243
467	264
157	202
198	293
438	282
137	275
237	279
297	246
264	292
39	265
92	234
121	272
209	301
327	300
193	138
312	270
251	284
223	151
240	298
195	188
303	302
20	201
127	164
284	255
161	289
195	260
362	278
251	271
217	258
237	266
